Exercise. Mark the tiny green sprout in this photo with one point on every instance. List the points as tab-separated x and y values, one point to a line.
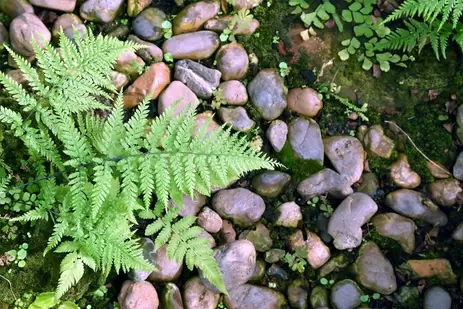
124	21
364	298
168	57
167	27
324	281
376	296
225	35
284	69
275	39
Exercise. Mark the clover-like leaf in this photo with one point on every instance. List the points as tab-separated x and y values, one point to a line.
343	54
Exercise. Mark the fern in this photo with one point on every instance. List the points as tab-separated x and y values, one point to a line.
108	164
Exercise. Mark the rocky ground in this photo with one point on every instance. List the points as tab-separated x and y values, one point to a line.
373	235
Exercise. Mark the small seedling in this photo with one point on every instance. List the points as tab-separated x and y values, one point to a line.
366	298
326	282
284	69
19	256
225	35
327	209
168	57
167	27
275	39
218	99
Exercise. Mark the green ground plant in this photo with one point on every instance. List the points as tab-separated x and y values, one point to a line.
97	176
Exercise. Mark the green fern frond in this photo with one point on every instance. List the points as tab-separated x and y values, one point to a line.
72	269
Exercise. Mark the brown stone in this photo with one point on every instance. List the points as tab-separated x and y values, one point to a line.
134	7
317	252
241	26
194	15
403	175
65	21
437	170
154	80
304	101
129	64
234	92
138	295
179	94
245	4
58	5
194	46
232	61
14	8
440	268
378	143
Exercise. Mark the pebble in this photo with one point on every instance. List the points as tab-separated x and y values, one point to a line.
289	215
138	295
325	181
227	232
242	27
414	205
397	227
378	143
259	271
101	11
4	38
374	271
194	46
337	263
199	78
237	118
234	92
304	101
210	220
197	296
346	294
190	206
14	8
246	4
240	205
25	27
148	25
437	297
305	139
274	255
194	16
369	184
154	80
57	5
437	268
346	222
249	296
458	167
277	133
298	294
65	21
458	232
259	236
149	254
151	53
232	61
445	192
135	7
268	93
177	93
319	298
270	183
403	175
347	156
129	64
166	269
236	262
171	297
437	170
317	252
277	272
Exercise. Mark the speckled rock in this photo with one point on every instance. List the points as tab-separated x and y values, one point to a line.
171	297
437	268
445	192
289	215
148	25
194	46
177	93
414	205
270	183
194	16
374	271
154	80
369	184
241	27
346	294
246	4
166	270
458	232
236	262
458	167
149	254
304	101
268	93
325	181
345	224
259	236
190	207
25	27
197	296
151	53
403	175
101	11
129	64
199	78
240	205
298	294
135	7
234	92
347	156
319	298
57	5
317	252
277	133
237	117
249	296
377	142
305	139
14	8
232	61
65	21
138	295
209	220
399	228
437	297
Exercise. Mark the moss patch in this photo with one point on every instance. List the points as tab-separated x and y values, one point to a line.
298	168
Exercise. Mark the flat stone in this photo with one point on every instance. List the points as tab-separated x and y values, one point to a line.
250	296
444	192
304	101
437	298
194	46
57	5
177	93
268	93
317	252
347	156
325	181
232	61
414	205
236	262
270	183
346	294
199	78
437	170
346	222
237	118
194	16
23	29
101	11
154	81
403	175
399	228
138	295
305	139
290	215
277	133
240	205
378	143
432	268
148	25
197	296
234	92
374	271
